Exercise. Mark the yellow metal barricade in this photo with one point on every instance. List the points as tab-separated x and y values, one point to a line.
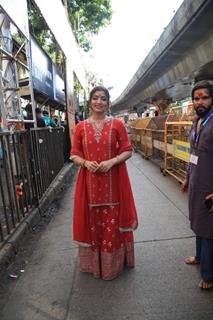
148	138
164	140
134	133
177	147
139	135
155	140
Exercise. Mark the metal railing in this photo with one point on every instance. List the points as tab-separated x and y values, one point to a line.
29	161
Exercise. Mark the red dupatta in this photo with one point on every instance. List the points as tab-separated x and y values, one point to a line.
128	220
81	230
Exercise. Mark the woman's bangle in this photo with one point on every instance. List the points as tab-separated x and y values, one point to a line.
83	163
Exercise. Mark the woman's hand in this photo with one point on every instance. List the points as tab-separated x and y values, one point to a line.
184	185
92	166
105	166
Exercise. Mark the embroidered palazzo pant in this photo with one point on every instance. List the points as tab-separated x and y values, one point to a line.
110	249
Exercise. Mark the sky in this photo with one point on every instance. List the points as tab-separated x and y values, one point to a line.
119	49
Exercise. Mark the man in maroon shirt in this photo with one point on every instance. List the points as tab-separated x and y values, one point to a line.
199	181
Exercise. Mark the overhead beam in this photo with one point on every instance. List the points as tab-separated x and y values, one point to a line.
182	52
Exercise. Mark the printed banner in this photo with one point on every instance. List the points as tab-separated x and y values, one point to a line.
181	150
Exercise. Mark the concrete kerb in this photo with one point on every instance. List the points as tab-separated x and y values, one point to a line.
7	254
33	219
13	243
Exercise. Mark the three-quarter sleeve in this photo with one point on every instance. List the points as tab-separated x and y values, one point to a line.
124	143
77	147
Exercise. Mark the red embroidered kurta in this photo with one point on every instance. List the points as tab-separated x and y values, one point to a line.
104	205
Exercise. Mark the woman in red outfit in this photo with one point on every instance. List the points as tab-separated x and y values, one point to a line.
104	209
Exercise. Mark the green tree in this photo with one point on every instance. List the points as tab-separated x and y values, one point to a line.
87	17
38	26
40	30
93	80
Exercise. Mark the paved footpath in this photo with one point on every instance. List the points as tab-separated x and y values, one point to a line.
160	287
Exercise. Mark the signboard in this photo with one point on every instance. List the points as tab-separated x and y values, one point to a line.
42	74
16	10
181	150
59	94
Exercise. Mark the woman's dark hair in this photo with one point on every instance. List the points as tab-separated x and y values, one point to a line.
204	84
99	88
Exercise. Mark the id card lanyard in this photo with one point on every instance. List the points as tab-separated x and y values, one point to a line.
196	137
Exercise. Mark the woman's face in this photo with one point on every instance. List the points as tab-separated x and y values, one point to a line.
99	102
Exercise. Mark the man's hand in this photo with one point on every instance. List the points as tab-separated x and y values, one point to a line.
184	185
210	196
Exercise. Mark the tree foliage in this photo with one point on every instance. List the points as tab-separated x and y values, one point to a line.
38	26
40	30
87	17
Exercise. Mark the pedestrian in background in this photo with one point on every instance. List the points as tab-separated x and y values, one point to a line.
127	124
39	120
199	181
104	209
49	122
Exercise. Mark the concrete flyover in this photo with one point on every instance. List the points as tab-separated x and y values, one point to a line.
183	53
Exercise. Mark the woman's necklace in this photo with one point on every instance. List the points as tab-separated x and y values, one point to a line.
98	127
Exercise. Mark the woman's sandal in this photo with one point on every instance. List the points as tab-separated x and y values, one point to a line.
205	285
192	260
